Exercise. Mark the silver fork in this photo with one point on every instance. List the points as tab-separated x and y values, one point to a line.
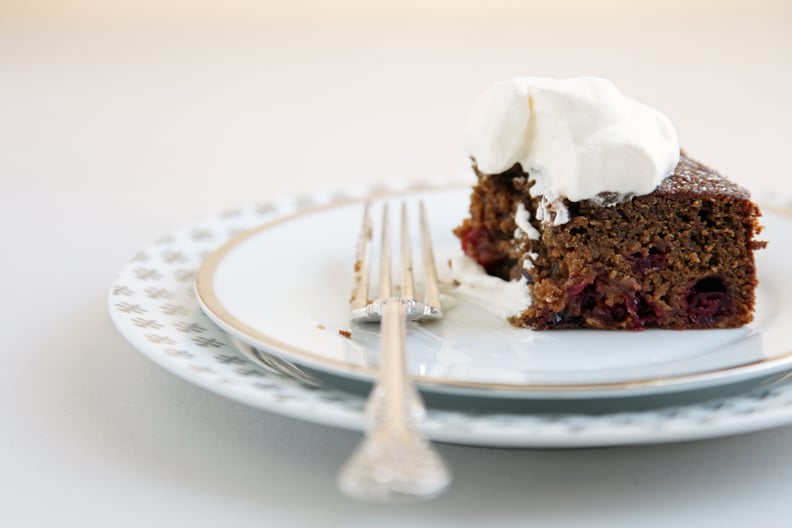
395	461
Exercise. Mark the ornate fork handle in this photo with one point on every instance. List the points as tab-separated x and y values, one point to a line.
395	461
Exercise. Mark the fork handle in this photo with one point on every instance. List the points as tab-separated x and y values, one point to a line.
394	404
393	371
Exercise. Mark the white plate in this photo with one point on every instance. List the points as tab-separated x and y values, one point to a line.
283	287
153	305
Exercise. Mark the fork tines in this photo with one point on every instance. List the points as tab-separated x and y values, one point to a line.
365	310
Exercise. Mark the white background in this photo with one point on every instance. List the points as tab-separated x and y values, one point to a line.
122	121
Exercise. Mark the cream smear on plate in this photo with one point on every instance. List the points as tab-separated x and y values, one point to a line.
492	294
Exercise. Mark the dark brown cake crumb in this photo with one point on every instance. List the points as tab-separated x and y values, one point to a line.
345	333
680	257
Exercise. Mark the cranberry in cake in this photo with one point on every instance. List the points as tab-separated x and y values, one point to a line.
584	196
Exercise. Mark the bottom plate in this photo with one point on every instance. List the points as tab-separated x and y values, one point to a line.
153	305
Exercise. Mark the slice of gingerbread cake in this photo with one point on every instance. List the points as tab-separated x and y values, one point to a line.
584	195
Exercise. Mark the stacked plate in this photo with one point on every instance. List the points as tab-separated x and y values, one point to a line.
252	304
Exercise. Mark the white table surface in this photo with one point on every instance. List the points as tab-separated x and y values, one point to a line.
113	134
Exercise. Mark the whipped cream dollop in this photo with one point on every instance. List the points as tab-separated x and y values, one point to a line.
576	137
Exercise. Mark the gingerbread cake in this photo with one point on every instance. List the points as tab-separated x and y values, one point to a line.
678	257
